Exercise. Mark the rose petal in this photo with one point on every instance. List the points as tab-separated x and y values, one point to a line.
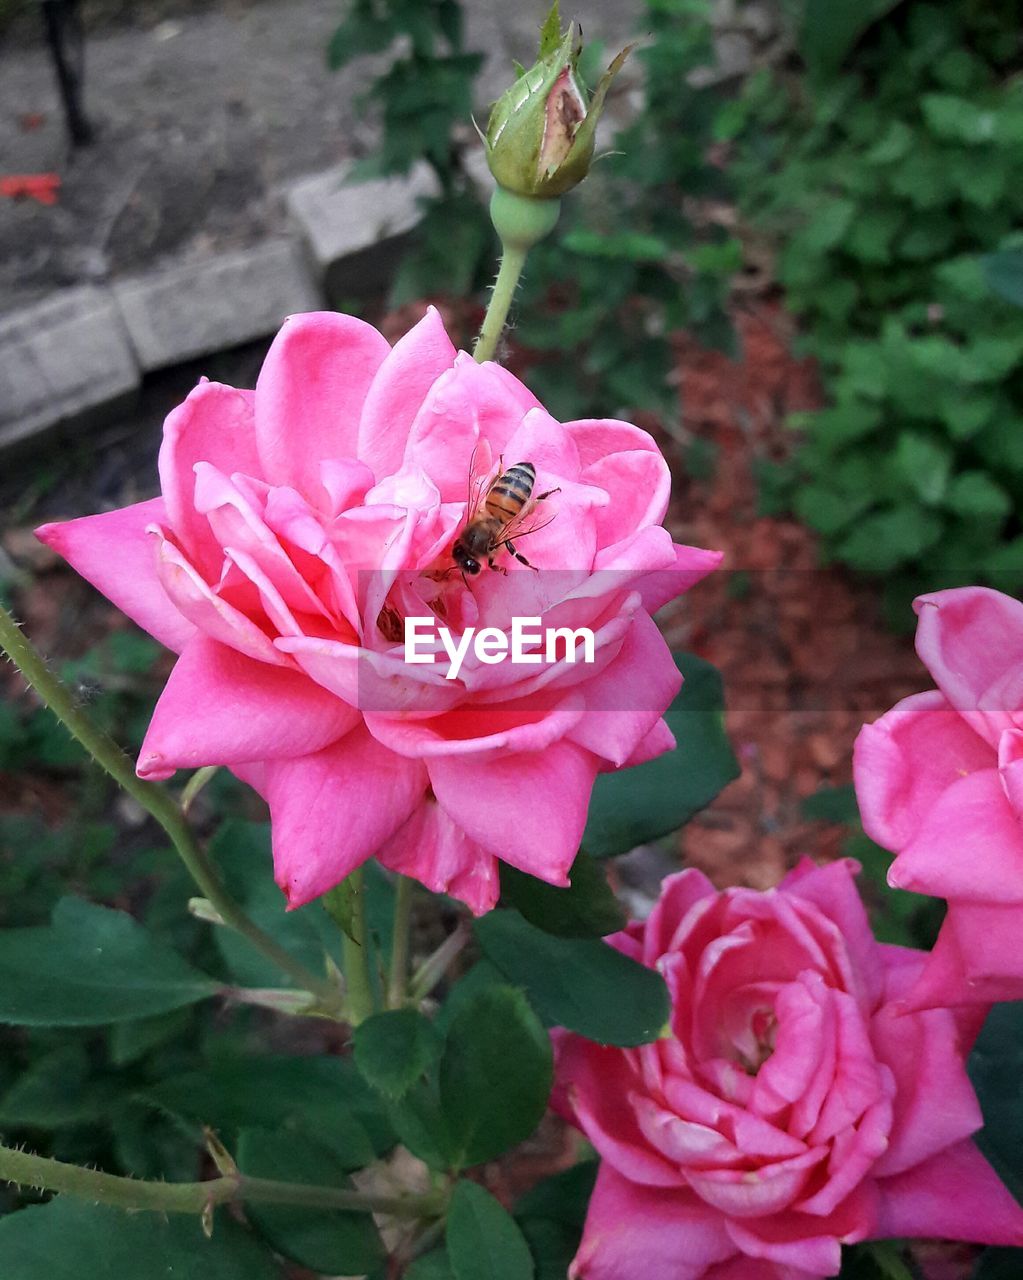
220	707
332	810
215	425
955	1195
434	850
398	390
643	1231
310	396
528	809
117	555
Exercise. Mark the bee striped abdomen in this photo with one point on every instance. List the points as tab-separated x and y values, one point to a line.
511	491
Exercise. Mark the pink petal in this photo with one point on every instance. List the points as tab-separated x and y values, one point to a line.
596	438
638	483
211	614
691	565
332	810
955	1195
755	1193
641	1231
799	1240
220	707
434	850
971	639
595	1085
310	396
114	552
377	682
744	1268
626	700
679	895
483	732
898	772
543	835
659	740
398	391
832	889
935	1106
968	845
215	425
976	960
468	405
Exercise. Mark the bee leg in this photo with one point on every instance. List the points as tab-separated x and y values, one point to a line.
498	568
520	557
540	496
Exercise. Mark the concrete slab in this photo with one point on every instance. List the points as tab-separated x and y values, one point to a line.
353	230
63	358
214	303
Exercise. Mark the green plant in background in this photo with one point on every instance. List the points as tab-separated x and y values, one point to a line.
424	101
892	188
638	258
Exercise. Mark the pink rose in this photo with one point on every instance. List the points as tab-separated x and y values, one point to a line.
301	523
790	1106
939	780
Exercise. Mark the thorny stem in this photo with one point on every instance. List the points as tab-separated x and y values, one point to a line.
513	259
159	803
45	1174
355	952
398	977
435	966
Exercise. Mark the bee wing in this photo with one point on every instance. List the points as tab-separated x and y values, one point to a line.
479	482
512	531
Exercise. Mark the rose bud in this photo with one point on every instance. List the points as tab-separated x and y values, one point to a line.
541	132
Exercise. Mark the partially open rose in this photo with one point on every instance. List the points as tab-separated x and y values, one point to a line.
790	1107
939	780
302	523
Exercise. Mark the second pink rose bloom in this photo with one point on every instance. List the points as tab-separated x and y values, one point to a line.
939	780
298	526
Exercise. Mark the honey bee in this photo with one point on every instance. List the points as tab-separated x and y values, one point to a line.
494	522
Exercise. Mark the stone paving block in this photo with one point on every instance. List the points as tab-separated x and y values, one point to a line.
353	230
63	358
215	303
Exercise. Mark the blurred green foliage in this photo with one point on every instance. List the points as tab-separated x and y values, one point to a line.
892	189
635	257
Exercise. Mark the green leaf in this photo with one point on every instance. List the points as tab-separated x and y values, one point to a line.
322	1097
587	909
68	1239
550	32
579	983
1000	1264
831	27
92	967
393	1049
975	495
57	1091
1004	274
496	1049
129	1041
431	1266
325	1240
996	1070
564	1197
832	804
241	851
483	1241
875	1260
552	1244
634	806
925	466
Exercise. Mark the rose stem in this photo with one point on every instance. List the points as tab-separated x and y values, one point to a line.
156	801
398	977
355	951
45	1174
